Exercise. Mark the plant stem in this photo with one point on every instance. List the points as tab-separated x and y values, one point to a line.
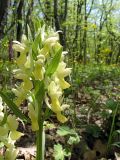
39	134
40	92
112	127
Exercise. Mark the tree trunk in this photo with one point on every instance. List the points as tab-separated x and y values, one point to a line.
85	35
28	19
57	23
4	4
64	20
19	19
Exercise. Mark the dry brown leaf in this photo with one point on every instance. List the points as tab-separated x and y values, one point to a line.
90	155
100	147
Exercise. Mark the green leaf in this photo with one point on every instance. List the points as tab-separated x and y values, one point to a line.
111	104
36	43
13	107
93	130
1	144
4	119
54	63
65	130
116	132
74	139
29	33
1	157
39	91
47	113
117	144
58	152
67	152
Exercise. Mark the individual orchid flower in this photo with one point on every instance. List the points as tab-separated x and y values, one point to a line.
20	94
39	70
23	49
28	62
27	84
57	109
55	93
19	47
61	73
49	44
11	153
13	125
54	90
9	135
51	41
22	91
12	122
19	74
61	117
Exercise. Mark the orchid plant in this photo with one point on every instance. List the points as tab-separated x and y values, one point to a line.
41	71
8	133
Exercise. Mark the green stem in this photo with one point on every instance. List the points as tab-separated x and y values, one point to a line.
39	135
112	127
40	92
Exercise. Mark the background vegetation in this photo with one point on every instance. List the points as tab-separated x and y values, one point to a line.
91	36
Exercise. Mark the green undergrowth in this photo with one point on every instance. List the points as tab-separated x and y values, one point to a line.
89	73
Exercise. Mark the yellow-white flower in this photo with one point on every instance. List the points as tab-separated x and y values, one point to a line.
23	49
21	95
55	93
12	122
60	74
54	90
62	71
39	71
49	44
61	117
20	47
11	153
12	126
51	41
27	84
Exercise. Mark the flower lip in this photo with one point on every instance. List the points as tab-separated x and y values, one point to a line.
16	42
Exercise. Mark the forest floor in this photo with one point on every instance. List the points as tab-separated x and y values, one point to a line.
93	100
